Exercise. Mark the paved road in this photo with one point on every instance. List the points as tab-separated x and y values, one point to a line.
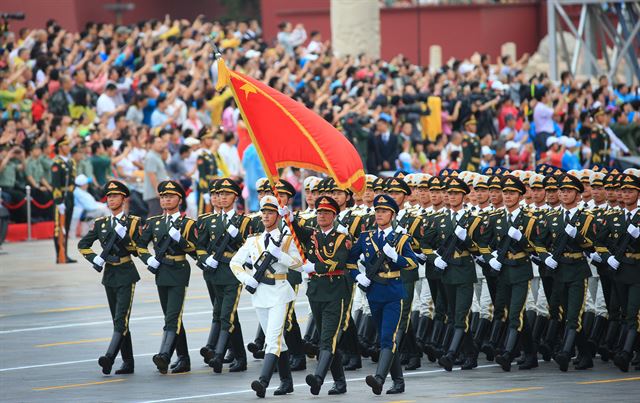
54	324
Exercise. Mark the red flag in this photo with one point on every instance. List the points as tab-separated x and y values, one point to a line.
286	133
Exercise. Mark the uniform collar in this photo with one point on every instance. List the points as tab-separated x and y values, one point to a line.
386	232
229	214
119	216
633	212
571	212
173	216
514	214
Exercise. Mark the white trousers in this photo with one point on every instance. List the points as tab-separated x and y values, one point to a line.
595	298
272	321
422	301
481	302
536	299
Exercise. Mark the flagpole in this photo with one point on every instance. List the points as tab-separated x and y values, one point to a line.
223	78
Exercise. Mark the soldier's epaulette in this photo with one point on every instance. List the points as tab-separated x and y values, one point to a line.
554	212
103	218
203	215
155	217
495	212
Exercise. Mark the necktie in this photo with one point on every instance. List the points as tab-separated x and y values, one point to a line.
628	217
454	218
266	240
224	220
566	217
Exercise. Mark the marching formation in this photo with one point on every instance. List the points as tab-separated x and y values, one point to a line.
519	266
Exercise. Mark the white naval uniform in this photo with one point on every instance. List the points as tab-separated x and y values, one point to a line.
270	301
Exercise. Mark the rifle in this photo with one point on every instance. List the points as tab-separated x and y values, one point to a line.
622	248
110	245
219	247
446	252
263	265
506	242
161	250
372	270
563	238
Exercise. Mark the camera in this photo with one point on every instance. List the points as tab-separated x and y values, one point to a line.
12	16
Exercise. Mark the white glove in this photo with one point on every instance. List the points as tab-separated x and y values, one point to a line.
390	251
613	262
495	265
232	230
400	229
342	229
61	208
285	212
461	233
207	198
211	262
440	264
421	256
480	259
515	233
98	261
595	256
633	231
494	253
153	262
571	230
551	263
251	282
174	234
309	267
363	280
274	250
121	230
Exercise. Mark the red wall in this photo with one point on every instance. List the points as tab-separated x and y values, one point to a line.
73	14
459	30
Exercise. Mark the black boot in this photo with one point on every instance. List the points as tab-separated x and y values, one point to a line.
316	380
258	343
599	325
106	361
546	346
396	375
218	355
268	366
471	352
489	347
126	352
239	364
623	358
337	373
539	328
432	342
484	325
284	371
506	357
424	325
609	340
182	351
309	347
447	360
293	338
441	349
530	355
163	358
475	321
563	357
586	358
376	381
208	350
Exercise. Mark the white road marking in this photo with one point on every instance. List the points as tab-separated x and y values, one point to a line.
135	319
300	385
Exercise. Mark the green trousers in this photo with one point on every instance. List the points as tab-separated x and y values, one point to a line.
120	301
459	297
172	302
329	317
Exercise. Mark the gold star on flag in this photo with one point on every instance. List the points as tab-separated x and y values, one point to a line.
248	89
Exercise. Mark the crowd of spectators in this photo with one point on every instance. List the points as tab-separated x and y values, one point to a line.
133	100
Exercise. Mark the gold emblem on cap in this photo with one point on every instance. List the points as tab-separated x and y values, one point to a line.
112	185
170	185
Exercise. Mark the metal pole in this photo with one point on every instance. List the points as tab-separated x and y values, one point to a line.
28	188
551	32
576	51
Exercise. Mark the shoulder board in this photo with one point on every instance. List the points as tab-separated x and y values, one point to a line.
103	218
155	217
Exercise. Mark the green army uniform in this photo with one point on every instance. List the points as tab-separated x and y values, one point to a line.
511	259
172	274
599	141
207	171
470	148
428	245
63	176
618	244
570	275
459	274
329	294
119	277
224	288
